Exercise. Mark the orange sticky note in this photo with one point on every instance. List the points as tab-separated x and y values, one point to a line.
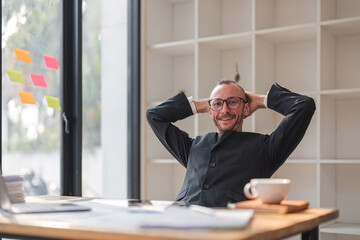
26	98
22	55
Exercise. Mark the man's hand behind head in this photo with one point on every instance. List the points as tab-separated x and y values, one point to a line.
255	101
202	106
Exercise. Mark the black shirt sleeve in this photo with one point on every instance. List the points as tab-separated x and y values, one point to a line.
298	111
161	117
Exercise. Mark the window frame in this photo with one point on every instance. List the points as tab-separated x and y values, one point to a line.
134	99
71	81
71	91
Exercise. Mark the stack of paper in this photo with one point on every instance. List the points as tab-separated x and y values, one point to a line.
116	214
198	217
15	188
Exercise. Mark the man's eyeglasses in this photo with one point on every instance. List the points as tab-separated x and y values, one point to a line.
232	103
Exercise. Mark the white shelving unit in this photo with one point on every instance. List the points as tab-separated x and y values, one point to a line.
309	46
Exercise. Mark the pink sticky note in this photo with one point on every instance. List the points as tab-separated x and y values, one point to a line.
38	80
51	62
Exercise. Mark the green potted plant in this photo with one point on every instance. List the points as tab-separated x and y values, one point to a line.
237	76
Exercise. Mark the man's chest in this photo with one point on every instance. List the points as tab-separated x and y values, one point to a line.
228	154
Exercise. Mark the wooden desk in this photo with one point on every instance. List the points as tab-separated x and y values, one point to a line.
262	226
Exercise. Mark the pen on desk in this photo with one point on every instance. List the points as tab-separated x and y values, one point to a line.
201	209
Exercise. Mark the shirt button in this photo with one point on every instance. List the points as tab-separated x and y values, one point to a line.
212	164
206	187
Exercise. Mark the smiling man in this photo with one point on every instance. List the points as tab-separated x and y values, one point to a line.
218	165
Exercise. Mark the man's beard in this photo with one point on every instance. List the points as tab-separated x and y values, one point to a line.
229	128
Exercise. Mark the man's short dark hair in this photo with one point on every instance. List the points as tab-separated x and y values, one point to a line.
229	81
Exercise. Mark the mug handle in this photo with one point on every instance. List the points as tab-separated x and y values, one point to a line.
248	191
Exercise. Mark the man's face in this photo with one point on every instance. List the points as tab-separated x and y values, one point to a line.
227	119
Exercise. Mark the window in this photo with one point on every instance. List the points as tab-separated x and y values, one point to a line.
31	132
104	158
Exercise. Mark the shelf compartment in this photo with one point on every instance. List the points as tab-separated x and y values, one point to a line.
343	27
289	34
168	176
342	228
339	161
300	161
338	9
338	189
342	94
291	62
217	62
228	42
334	236
340	129
221	17
164	161
169	20
279	13
179	48
187	125
155	149
339	57
169	73
301	188
266	121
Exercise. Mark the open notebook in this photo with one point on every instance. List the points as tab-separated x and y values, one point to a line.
5	204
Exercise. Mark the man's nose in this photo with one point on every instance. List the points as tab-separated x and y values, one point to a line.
225	107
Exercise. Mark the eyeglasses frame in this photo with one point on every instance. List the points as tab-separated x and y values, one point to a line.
225	100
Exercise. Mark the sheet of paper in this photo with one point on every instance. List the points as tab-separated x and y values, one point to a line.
22	55
112	215
53	102
170	217
26	98
185	218
51	62
38	80
15	76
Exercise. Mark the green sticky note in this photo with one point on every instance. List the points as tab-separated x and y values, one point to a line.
15	76
53	102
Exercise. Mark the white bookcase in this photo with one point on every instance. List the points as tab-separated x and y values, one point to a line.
309	46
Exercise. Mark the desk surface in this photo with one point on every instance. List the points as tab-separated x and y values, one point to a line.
262	226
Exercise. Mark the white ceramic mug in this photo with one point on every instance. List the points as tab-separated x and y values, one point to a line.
268	190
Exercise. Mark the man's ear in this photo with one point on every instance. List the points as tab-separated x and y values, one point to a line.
246	110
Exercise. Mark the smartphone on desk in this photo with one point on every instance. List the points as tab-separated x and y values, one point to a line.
138	202
144	202
179	203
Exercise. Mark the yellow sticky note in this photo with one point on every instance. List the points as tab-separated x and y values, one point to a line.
22	55
53	102
27	98
15	76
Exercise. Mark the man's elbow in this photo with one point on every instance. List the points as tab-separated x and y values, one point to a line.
310	105
149	115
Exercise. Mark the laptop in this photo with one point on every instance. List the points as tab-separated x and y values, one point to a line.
5	204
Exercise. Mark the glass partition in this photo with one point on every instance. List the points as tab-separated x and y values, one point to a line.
31	64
